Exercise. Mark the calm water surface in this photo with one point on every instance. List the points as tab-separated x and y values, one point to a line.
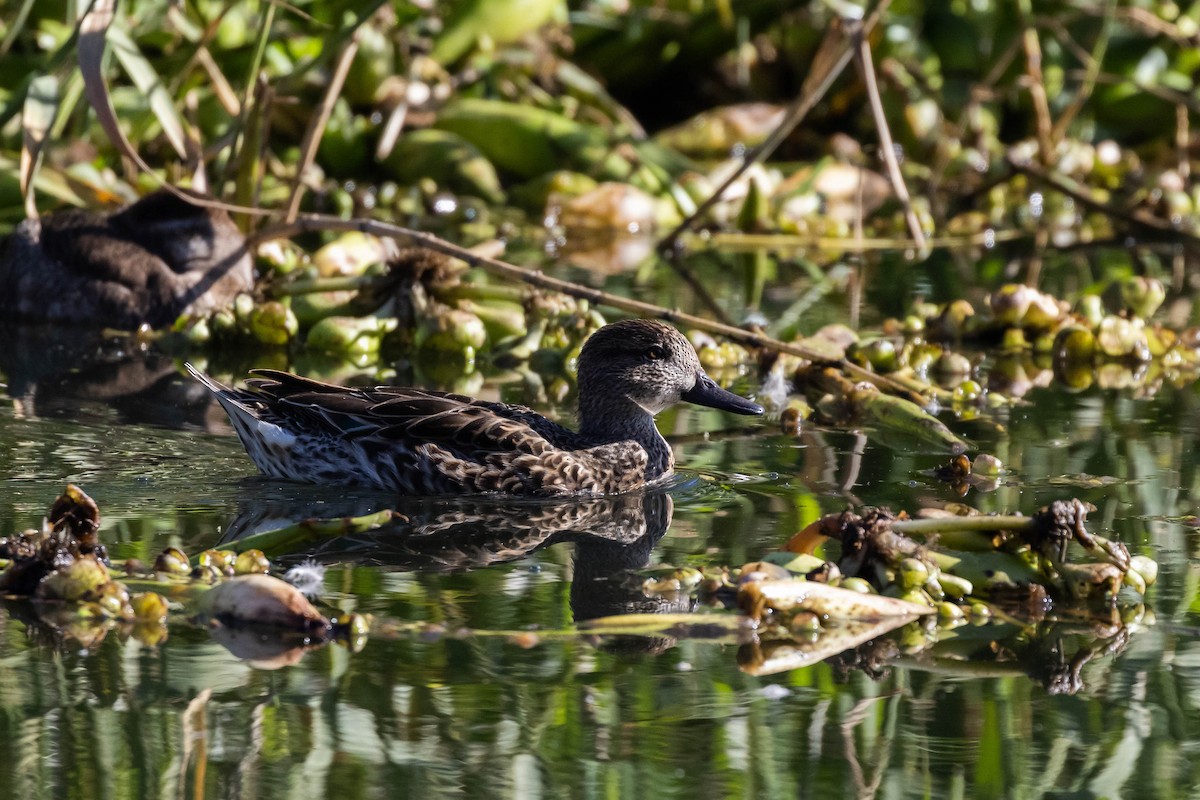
442	714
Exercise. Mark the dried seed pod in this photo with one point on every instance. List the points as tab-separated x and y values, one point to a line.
987	465
148	607
251	562
1118	337
968	392
804	622
953	365
796	411
82	579
1044	312
1010	302
172	561
219	560
1146	567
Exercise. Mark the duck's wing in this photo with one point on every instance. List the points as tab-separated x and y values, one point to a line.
412	415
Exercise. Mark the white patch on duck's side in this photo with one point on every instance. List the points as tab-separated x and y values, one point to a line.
274	436
268	445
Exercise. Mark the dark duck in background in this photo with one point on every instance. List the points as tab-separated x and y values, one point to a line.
144	264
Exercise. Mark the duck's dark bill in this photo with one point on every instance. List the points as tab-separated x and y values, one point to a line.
707	393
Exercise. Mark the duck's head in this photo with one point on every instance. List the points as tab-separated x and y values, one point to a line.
186	236
650	364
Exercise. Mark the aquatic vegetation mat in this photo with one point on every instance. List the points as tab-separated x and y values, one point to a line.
939	590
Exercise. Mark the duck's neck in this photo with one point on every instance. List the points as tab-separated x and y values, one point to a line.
624	420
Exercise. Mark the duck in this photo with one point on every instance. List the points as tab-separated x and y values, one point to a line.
144	264
420	442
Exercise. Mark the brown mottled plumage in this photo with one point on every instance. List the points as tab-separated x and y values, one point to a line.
422	442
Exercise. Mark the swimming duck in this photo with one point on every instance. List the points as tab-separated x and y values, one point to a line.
144	264
414	441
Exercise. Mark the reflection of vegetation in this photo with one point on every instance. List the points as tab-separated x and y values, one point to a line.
412	717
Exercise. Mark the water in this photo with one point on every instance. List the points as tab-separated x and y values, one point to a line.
496	695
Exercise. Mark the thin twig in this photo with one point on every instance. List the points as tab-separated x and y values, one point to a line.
699	289
1157	90
1093	62
888	147
834	54
308	223
1037	84
312	137
935	525
1182	141
1080	194
786	241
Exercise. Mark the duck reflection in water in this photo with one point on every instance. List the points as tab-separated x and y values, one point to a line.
613	538
63	373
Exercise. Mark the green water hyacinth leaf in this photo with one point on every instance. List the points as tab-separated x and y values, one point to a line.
907	417
528	141
782	655
446	158
349	336
147	80
498	21
676	626
451	330
501	319
312	307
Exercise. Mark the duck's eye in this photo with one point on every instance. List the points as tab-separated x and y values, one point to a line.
656	353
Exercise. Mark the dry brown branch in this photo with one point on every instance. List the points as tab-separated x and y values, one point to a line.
1138	218
307	223
835	52
887	146
316	128
1037	85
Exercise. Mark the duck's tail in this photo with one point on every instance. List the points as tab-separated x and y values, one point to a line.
216	387
231	400
268	444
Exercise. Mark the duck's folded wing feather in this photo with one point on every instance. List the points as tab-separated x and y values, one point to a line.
412	415
478	428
